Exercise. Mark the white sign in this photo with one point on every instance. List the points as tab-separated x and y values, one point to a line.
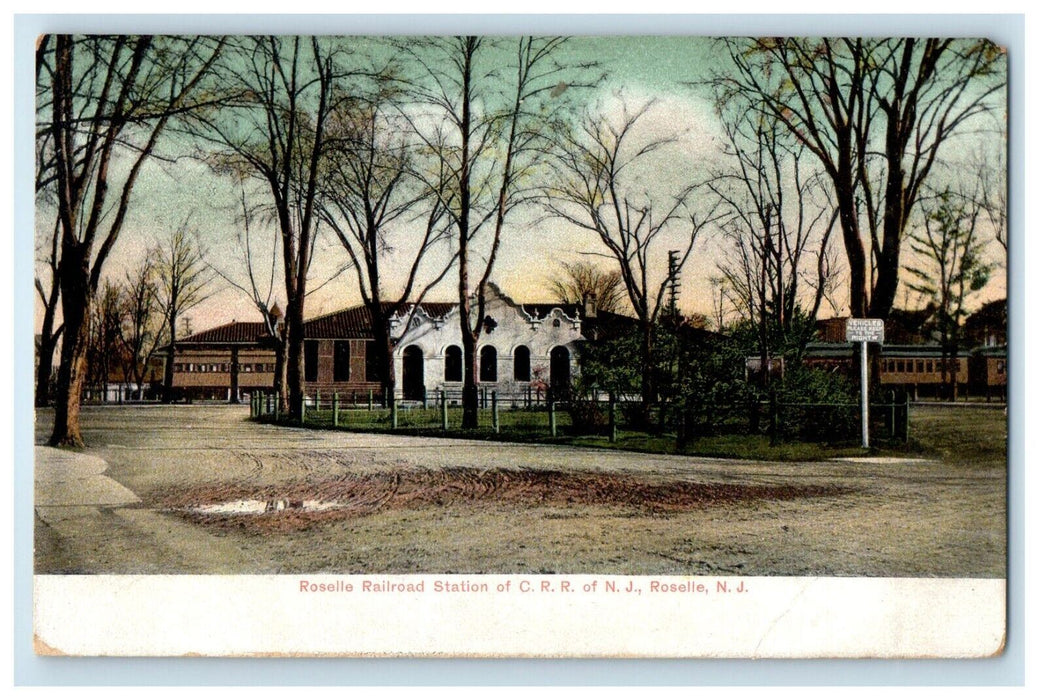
865	330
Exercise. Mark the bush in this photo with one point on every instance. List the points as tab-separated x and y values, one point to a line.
815	405
587	415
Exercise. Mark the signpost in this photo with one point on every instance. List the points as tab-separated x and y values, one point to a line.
864	331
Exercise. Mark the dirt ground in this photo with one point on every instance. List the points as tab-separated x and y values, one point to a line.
220	495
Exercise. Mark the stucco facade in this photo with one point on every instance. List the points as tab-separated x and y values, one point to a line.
522	351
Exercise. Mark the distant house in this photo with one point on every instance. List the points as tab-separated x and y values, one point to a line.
903	327
986	327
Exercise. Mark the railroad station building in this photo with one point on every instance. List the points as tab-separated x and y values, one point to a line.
524	351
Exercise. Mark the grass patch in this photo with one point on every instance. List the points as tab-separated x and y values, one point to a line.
532	426
755	447
968	435
971	435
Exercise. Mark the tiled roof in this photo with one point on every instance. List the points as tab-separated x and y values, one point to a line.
235	333
355	322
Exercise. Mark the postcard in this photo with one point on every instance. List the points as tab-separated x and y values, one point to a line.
520	346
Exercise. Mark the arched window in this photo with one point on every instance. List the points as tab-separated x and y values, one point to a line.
521	364
413	373
452	364
488	364
559	372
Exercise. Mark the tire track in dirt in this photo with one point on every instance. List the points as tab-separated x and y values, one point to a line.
357	495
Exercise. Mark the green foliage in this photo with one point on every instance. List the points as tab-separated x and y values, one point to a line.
816	405
712	390
611	365
802	384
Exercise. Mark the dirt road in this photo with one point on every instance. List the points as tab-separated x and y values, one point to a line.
220	495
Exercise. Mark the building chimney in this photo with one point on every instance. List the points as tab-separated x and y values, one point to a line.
588	305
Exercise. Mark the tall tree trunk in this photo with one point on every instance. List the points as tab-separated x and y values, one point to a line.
854	247
295	355
168	366
894	219
48	344
74	277
279	375
470	392
470	395
234	376
45	368
379	325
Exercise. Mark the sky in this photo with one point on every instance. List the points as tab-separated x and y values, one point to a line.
638	69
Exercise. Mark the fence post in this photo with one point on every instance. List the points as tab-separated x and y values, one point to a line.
443	409
354	398
303	408
613	418
552	417
334	409
370	399
425	398
276	407
773	417
395	415
528	397
893	413
907	416
494	406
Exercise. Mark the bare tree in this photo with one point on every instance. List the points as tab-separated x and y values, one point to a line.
778	264
141	331
581	280
950	264
281	92
104	352
183	280
370	185
875	113
491	135
596	191
47	288
256	278
720	300
991	193
108	100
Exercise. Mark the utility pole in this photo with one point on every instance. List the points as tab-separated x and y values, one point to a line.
673	283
